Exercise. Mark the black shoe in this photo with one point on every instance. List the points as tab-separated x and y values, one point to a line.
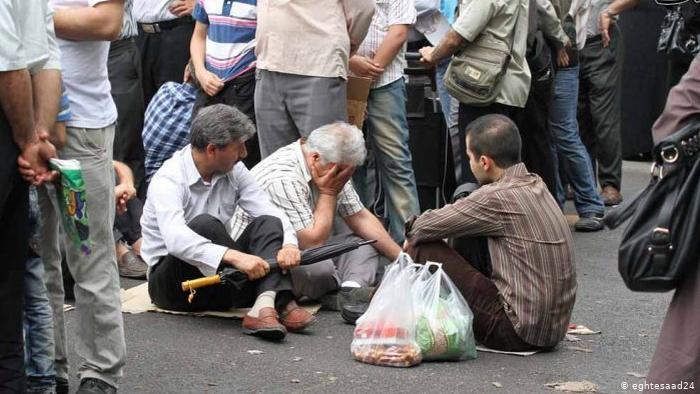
353	302
589	222
95	386
62	386
330	301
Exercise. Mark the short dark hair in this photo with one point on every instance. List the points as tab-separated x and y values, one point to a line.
497	137
220	125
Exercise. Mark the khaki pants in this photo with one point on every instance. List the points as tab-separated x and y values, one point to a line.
99	332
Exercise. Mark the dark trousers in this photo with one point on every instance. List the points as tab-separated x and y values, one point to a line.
468	114
14	244
533	123
164	56
599	112
124	67
263	237
238	93
492	327
128	224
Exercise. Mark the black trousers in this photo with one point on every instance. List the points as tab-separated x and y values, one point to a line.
468	114
263	237
14	236
533	123
599	111
127	226
124	66
238	93
164	56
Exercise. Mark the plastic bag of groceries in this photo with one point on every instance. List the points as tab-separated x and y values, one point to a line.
72	202
443	318
385	334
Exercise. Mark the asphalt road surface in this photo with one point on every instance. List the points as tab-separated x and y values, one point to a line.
178	354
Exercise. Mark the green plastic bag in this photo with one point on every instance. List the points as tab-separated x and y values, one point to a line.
72	202
444	326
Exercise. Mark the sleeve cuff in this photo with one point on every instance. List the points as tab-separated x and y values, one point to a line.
213	255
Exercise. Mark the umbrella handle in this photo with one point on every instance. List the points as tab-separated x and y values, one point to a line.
190	285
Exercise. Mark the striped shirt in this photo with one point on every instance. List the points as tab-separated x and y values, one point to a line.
285	177
230	46
386	14
129	28
530	245
166	124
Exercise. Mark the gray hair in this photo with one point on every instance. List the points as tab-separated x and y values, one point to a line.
339	143
220	125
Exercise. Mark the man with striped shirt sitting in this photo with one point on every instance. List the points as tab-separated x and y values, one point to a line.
309	181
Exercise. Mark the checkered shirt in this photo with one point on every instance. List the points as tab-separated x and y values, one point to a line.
166	126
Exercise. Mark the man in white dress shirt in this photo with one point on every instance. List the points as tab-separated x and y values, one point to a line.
189	199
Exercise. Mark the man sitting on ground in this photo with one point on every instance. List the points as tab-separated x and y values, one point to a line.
522	299
189	199
308	181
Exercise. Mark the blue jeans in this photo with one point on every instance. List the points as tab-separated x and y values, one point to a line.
387	139
450	110
567	146
38	330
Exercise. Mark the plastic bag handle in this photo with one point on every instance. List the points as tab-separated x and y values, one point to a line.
432	263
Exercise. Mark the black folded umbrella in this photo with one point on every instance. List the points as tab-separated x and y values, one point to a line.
234	277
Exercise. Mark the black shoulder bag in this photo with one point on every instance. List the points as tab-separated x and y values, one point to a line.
662	239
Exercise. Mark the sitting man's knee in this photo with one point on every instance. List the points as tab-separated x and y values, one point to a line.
204	224
267	223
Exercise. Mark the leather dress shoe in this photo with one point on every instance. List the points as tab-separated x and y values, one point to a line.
297	319
611	196
266	325
132	266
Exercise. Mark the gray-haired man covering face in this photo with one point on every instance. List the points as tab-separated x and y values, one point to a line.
308	180
189	199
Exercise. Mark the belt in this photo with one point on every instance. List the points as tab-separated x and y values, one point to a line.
594	39
154	28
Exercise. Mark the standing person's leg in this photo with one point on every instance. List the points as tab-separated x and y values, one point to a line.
38	330
100	330
534	130
173	54
491	324
677	355
450	110
275	125
605	111
14	234
124	67
240	93
148	46
567	144
316	101
387	132
51	257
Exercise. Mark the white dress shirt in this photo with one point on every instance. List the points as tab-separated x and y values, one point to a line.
152	11
177	194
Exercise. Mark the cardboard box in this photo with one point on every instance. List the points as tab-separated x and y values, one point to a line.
358	91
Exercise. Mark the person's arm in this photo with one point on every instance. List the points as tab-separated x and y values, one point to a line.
100	22
468	216
472	20
607	17
46	89
391	45
125	190
210	83
182	8
367	226
320	230
550	25
358	17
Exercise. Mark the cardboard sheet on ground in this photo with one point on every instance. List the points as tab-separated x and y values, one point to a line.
136	300
482	348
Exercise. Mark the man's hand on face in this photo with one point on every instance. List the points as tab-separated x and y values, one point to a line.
253	266
33	162
181	8
365	67
333	181
288	257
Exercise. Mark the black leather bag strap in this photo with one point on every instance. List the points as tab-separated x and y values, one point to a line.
660	246
619	215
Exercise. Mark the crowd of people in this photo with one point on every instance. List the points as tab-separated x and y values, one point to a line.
213	134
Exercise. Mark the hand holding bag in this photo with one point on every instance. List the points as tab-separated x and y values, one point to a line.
662	239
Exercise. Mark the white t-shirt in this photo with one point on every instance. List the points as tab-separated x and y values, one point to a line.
85	76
